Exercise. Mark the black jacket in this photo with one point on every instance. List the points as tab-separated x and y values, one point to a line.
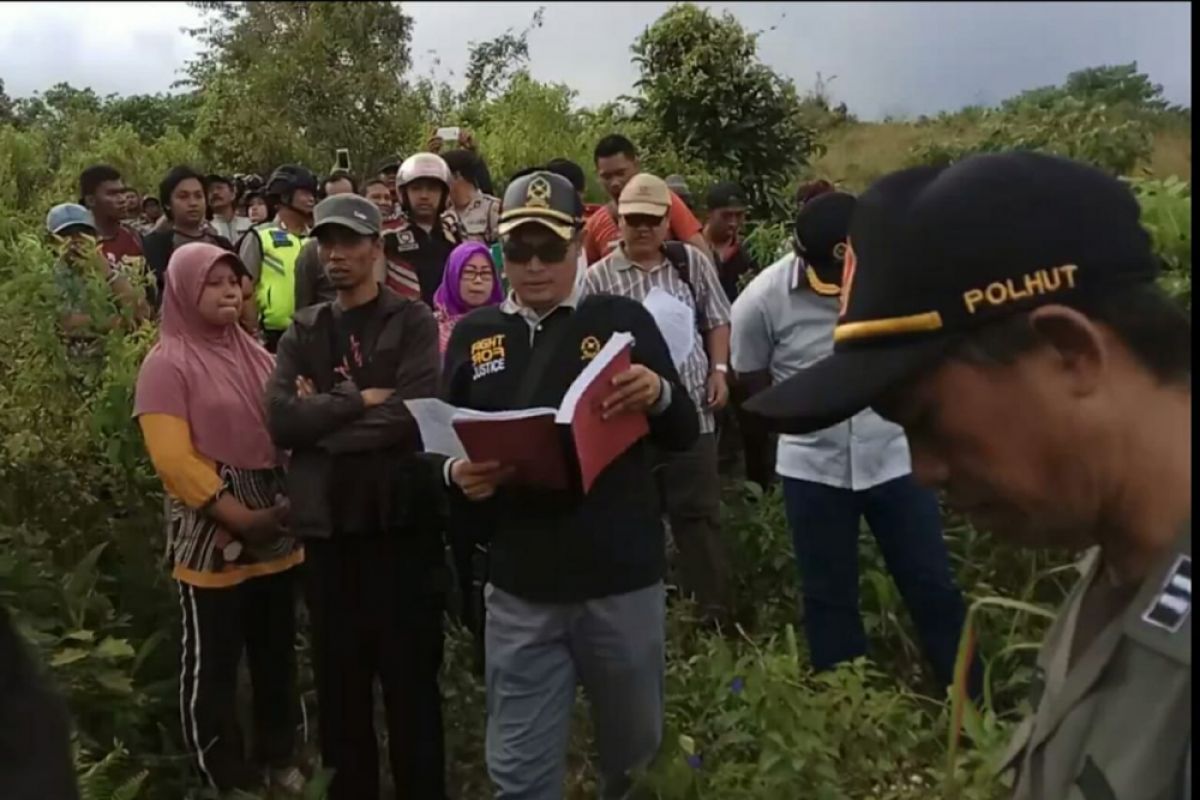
564	546
158	246
322	429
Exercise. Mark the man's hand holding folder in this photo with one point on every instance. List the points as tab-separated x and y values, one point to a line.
604	411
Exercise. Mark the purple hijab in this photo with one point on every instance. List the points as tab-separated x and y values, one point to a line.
448	296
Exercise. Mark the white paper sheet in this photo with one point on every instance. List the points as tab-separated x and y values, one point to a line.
433	418
676	321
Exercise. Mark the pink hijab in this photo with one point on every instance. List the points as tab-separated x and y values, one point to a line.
212	376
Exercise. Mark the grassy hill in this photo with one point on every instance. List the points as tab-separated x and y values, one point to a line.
859	152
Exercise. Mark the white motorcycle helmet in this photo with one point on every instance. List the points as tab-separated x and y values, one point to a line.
423	165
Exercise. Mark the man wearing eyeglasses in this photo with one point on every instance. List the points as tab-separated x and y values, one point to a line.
575	592
689	482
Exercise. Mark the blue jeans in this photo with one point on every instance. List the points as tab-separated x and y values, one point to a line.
906	522
537	653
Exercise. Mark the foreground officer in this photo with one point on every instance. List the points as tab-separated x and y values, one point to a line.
1004	311
576	581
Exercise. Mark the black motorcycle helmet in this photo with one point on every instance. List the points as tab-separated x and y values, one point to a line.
287	179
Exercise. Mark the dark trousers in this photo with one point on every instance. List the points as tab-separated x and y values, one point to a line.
742	435
906	522
375	615
691	492
259	616
469	548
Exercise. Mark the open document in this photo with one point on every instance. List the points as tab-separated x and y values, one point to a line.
532	440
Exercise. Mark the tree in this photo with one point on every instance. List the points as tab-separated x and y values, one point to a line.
705	95
8	113
492	64
151	115
1118	86
295	81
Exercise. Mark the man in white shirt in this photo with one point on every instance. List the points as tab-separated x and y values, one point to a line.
783	321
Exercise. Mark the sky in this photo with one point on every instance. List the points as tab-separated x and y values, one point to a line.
898	59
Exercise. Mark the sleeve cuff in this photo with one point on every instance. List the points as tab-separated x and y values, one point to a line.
664	399
446	467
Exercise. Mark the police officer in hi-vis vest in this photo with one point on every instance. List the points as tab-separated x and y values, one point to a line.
269	250
1005	312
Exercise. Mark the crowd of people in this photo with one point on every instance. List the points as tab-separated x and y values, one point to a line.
296	316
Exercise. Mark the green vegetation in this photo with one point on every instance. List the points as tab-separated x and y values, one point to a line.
80	511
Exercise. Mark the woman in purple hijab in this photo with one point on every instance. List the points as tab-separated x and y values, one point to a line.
470	282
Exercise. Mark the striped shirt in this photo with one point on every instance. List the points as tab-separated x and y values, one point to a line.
616	274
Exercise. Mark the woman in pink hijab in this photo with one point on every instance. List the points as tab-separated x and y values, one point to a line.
199	405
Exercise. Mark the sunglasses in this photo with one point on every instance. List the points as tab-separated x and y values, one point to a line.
548	251
642	220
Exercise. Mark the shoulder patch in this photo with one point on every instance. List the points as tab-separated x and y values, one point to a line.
1170	607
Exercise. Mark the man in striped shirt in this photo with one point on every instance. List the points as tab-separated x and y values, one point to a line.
642	261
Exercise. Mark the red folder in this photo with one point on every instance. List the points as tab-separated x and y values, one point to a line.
532	439
532	444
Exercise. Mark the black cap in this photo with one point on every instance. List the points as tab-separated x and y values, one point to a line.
820	232
350	211
934	252
725	194
544	198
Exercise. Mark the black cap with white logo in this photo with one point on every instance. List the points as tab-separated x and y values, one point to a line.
350	211
934	252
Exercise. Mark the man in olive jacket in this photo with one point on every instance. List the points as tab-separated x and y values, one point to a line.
366	506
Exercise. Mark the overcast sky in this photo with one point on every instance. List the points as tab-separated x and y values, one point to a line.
888	58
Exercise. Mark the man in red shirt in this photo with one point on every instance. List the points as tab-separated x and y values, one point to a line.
616	164
102	191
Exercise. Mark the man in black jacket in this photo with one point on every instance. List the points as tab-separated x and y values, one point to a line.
366	506
576	580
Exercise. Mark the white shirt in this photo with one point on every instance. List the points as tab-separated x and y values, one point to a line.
781	325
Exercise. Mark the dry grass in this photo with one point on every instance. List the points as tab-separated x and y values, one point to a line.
859	153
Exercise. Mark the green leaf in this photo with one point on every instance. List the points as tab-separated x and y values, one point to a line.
113	649
68	656
116	682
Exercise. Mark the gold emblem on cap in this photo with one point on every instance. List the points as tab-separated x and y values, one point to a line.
839	251
538	193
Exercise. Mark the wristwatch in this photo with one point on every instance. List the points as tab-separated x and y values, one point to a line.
721	368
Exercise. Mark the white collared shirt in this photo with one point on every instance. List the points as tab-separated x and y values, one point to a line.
780	325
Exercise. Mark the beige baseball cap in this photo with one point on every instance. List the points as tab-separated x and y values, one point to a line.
645	194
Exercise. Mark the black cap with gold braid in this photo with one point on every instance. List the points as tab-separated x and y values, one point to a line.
544	198
934	252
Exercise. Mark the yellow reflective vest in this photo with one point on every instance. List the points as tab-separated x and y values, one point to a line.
276	291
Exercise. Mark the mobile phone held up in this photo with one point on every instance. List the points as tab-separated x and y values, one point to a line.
342	161
448	135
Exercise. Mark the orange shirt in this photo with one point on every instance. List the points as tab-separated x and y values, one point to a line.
601	233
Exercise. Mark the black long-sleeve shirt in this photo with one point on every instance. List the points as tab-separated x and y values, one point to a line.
564	546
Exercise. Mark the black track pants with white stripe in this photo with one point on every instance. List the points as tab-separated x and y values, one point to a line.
259	617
